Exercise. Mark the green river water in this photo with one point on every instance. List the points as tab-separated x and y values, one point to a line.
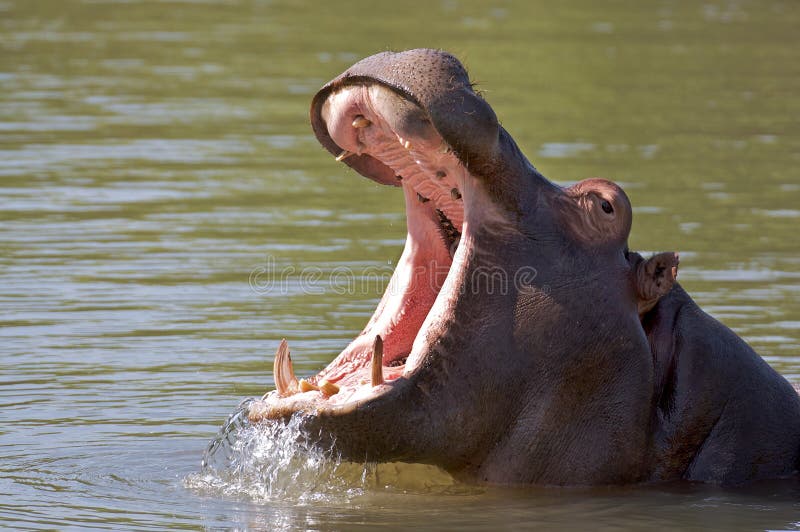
156	160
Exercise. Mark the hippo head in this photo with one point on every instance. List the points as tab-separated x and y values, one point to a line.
508	346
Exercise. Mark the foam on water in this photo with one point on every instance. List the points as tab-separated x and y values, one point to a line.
276	461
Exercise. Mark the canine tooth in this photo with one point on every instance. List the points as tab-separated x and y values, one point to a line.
360	122
455	194
328	388
283	372
306	386
377	361
344	155
406	143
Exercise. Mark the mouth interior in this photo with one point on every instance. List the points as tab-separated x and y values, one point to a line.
369	120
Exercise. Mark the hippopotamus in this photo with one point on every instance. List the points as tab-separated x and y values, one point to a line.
723	414
520	340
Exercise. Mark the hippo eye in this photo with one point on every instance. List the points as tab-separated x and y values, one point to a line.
606	206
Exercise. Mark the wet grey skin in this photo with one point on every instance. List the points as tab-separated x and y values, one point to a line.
592	366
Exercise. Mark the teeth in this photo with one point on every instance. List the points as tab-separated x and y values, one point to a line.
444	148
306	386
283	372
405	143
360	122
344	155
328	388
377	362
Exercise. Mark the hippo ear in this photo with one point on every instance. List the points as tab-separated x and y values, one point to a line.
654	278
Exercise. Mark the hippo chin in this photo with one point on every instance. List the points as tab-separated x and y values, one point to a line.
519	340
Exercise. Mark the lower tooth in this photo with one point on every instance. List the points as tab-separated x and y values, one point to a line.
397	363
285	381
377	362
328	388
306	386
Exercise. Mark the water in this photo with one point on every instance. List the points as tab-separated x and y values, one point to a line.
156	162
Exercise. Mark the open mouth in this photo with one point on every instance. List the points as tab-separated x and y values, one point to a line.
388	131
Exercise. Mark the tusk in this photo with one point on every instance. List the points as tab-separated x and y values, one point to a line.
282	371
360	122
328	388
377	362
344	155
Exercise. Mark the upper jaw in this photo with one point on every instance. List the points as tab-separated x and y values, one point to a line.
437	86
432	81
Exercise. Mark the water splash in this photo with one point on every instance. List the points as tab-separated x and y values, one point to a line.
276	461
